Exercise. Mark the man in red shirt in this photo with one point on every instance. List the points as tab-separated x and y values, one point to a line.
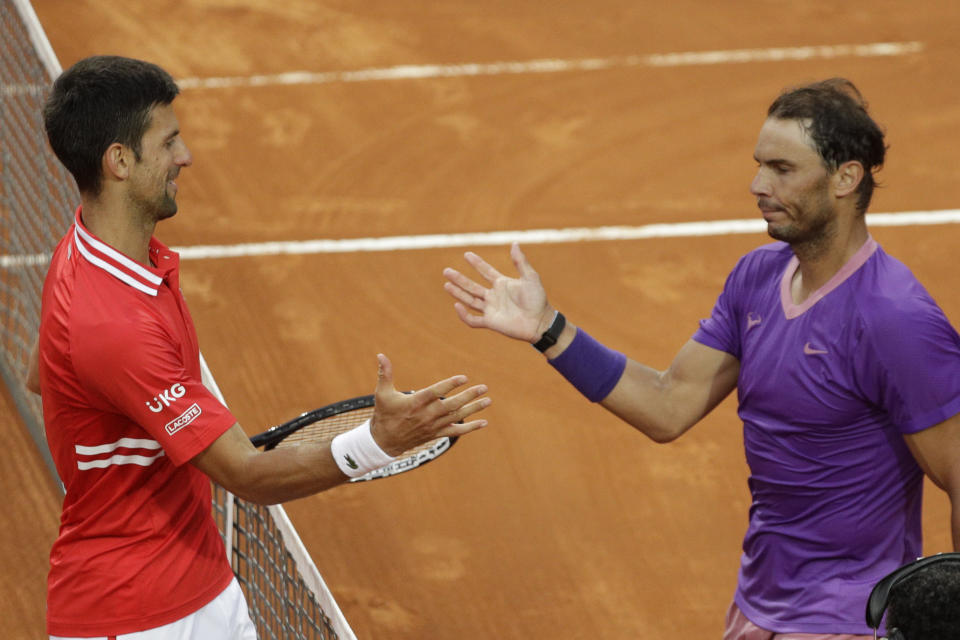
135	435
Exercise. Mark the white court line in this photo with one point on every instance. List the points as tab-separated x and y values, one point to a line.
688	58
681	59
537	236
493	238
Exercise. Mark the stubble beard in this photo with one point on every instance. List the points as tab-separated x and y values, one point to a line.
153	210
808	233
812	219
161	208
166	208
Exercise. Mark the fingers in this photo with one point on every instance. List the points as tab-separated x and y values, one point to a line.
520	261
445	406
482	266
471	320
463	296
452	423
458	425
469	294
462	428
463	288
443	388
465	403
433	393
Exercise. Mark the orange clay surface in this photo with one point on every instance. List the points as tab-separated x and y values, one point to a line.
557	521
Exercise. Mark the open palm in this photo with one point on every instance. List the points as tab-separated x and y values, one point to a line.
515	307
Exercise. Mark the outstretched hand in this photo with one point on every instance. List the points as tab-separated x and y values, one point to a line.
515	307
402	421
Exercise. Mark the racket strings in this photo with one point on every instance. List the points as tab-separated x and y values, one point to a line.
327	428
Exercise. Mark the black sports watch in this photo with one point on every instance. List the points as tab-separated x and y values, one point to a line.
549	337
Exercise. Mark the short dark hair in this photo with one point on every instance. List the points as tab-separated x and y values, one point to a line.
925	605
834	115
98	101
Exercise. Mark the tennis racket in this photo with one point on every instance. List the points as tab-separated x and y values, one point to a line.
321	425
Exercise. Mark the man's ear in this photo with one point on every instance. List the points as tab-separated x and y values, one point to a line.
116	162
847	178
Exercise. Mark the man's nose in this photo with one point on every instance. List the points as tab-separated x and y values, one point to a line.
760	185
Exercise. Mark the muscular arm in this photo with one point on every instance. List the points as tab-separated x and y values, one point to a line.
664	404
268	477
937	451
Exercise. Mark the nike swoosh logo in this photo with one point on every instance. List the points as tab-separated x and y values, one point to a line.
810	351
753	320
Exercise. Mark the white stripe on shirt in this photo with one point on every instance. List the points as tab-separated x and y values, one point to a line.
126	443
143	461
122	443
112	270
109	251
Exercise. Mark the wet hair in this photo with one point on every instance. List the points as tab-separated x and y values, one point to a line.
834	115
925	605
98	101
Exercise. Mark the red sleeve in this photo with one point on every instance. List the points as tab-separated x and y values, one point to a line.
138	369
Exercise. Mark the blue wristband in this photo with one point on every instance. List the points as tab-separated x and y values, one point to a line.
590	367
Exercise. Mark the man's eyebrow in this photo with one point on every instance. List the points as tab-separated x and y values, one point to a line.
780	161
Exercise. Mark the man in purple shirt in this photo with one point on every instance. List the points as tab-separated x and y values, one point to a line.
847	373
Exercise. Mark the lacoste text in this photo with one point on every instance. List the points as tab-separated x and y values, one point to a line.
185	418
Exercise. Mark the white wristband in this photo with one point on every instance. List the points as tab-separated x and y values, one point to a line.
357	453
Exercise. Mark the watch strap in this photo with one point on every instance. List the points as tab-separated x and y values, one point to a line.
549	337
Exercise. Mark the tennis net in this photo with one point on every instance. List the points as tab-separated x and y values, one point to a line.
287	597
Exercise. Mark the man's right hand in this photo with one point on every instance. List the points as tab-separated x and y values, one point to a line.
402	421
516	307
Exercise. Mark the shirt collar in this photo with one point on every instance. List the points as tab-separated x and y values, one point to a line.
130	272
857	260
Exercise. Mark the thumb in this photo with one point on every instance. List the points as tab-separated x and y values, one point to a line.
384	373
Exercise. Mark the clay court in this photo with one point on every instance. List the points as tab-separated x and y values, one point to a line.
557	521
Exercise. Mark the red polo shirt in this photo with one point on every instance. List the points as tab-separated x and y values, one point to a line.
124	408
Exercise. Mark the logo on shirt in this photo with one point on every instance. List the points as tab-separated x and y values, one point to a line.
183	419
812	351
753	319
166	398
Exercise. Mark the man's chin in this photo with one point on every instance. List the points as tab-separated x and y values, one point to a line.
167	210
778	232
791	235
165	214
